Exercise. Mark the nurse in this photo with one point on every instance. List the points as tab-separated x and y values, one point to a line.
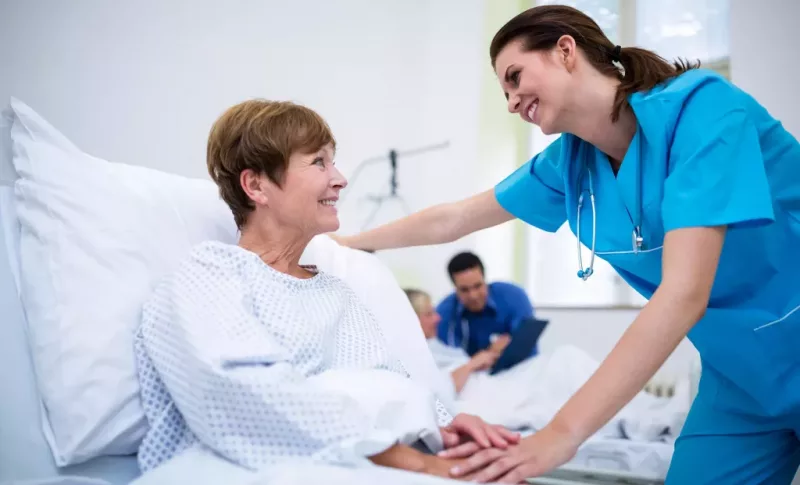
691	191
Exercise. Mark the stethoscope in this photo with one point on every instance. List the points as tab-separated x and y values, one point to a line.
451	333
637	239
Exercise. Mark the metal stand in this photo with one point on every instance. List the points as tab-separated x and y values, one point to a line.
393	155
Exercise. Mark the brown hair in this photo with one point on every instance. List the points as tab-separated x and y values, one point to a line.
539	28
260	135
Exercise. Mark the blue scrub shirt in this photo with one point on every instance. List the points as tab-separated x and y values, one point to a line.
506	306
708	154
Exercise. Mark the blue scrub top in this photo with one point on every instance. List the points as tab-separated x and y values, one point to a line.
506	306
708	155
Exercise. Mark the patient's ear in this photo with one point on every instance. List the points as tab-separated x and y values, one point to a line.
254	186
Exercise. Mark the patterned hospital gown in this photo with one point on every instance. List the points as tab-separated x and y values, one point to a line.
225	348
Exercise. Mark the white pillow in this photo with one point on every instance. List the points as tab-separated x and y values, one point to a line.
94	237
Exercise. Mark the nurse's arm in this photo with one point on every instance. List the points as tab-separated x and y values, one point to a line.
439	224
690	260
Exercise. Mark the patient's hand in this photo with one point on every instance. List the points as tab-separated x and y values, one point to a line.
483	360
446	468
404	457
466	428
500	344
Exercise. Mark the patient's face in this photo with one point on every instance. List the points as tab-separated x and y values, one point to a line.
471	289
307	199
428	318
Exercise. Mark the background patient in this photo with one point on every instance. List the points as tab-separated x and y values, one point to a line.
230	344
453	360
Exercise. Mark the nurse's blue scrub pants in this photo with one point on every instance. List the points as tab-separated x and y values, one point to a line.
722	445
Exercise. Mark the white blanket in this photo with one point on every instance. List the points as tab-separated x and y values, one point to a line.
200	467
401	407
528	395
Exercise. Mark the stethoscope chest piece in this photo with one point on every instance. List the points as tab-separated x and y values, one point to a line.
637	241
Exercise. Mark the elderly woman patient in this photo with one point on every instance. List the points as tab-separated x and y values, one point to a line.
231	345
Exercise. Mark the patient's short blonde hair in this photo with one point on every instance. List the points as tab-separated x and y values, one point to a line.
260	135
418	298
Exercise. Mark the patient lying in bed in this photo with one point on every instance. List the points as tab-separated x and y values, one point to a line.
527	396
246	353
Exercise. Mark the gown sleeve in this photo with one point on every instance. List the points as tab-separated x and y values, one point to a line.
717	174
234	385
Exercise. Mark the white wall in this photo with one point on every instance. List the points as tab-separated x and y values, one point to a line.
764	58
141	83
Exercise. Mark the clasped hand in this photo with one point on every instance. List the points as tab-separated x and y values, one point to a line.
468	432
525	458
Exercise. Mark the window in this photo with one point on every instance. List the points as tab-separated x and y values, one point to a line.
684	28
690	29
604	12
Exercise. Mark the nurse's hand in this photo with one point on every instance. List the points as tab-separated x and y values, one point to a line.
472	431
534	456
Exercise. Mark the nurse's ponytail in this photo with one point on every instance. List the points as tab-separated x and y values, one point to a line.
541	27
642	70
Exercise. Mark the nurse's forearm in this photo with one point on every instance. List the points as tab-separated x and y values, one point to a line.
439	224
434	225
641	351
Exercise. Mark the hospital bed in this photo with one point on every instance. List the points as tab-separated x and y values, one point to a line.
78	235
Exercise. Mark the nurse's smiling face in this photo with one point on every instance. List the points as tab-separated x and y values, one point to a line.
538	84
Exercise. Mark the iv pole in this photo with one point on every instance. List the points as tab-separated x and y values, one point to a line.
393	155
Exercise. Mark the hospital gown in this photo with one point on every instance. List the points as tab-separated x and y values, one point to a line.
225	352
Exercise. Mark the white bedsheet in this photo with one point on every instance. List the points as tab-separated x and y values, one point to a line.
601	458
609	455
529	395
200	467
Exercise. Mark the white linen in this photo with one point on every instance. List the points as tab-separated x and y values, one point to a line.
642	460
388	401
200	467
528	395
228	351
447	358
615	461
